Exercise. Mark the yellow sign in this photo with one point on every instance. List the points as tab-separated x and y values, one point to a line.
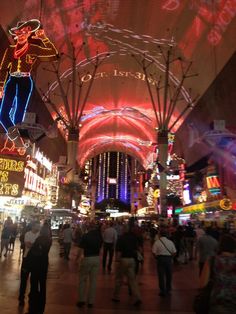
199	207
156	193
11	176
226	204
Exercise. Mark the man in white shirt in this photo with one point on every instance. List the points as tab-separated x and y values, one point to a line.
29	239
67	240
164	250
109	241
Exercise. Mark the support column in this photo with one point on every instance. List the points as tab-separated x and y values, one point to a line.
93	188
72	151
162	157
133	186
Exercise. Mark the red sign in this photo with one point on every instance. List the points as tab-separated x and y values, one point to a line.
213	182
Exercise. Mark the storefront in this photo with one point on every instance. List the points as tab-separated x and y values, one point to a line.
220	211
27	184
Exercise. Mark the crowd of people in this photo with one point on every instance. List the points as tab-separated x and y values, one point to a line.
119	247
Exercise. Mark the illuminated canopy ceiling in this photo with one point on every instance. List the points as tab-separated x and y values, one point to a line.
118	114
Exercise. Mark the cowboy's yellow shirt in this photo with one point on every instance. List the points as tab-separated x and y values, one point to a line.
25	63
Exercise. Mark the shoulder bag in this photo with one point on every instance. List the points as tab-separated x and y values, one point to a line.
172	254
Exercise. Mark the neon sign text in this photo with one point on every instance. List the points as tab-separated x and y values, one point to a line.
9	189
3	176
118	73
225	12
11	177
34	183
213	182
11	165
223	20
43	160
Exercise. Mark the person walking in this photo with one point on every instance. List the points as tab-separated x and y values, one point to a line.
126	252
5	238
190	238
180	245
89	246
221	270
29	239
207	246
14	231
67	240
164	250
199	233
37	260
109	242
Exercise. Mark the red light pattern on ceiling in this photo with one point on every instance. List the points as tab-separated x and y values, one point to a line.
216	13
118	112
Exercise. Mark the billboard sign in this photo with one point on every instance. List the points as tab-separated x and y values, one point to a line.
11	176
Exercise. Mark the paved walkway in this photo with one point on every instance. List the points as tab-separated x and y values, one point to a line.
62	287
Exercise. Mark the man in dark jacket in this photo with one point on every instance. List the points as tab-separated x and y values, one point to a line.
90	244
126	253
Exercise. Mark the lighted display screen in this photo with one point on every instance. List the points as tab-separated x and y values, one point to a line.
118	114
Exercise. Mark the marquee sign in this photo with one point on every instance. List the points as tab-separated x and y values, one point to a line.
11	176
35	183
213	184
226	204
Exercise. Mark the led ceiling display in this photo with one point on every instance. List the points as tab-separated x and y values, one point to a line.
118	114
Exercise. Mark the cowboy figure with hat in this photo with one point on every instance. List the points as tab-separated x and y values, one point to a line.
18	61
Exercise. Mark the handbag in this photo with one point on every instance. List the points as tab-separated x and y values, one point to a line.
201	303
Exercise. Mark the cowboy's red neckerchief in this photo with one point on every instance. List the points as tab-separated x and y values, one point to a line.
18	52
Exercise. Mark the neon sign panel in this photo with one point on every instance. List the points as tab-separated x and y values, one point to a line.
35	183
11	177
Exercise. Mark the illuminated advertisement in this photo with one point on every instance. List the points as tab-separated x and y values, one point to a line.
35	183
213	184
11	176
18	61
112	180
225	204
